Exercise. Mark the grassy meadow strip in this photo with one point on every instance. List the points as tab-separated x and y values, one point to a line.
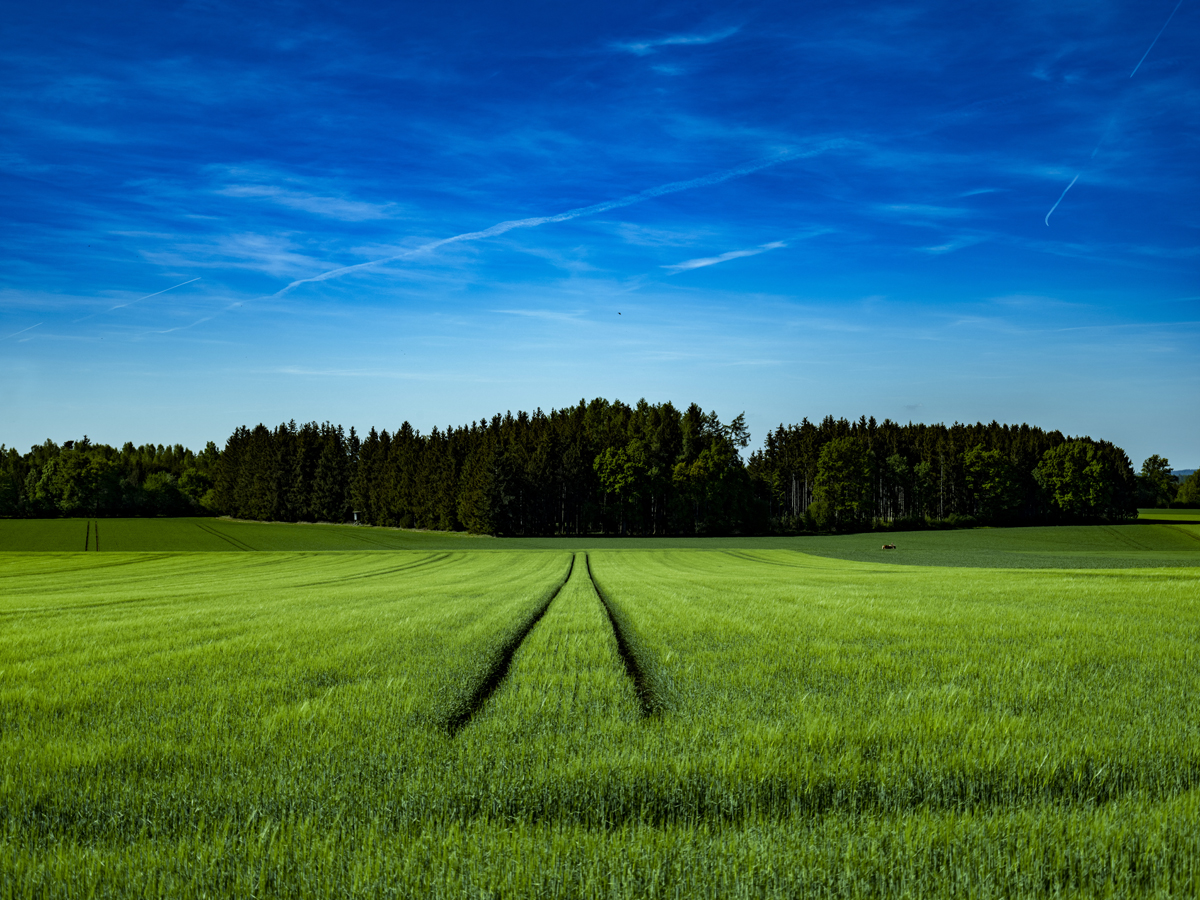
1122	849
1189	516
280	725
549	743
803	686
216	535
1173	542
505	647
1065	547
159	693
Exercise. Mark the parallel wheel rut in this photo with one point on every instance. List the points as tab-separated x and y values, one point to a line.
650	703
500	668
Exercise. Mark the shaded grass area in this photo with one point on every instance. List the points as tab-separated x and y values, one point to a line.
215	535
1174	516
842	686
1168	543
1121	850
506	649
275	724
1060	547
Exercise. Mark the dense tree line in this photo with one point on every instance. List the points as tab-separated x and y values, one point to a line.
845	474
80	478
1159	487
606	467
649	469
595	467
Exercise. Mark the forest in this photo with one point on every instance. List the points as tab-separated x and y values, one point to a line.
606	468
80	478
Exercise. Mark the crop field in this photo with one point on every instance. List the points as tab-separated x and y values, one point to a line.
491	718
1173	539
1179	516
212	535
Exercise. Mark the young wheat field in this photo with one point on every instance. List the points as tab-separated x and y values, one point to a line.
413	715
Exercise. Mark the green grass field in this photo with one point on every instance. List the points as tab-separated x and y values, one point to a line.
213	535
1190	516
473	717
1173	541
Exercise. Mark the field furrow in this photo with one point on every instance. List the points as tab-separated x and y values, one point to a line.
567	682
206	686
505	649
890	687
745	721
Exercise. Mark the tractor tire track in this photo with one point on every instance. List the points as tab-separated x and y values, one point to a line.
428	560
237	545
637	670
1183	531
503	661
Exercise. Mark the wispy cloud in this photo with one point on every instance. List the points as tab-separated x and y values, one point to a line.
548	315
330	207
139	299
1037	302
921	210
268	254
1156	37
987	323
650	45
337	373
647	236
1060	199
22	331
199	321
724	257
580	212
438	376
952	245
753	362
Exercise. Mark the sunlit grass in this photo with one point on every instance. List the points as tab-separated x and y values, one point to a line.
278	724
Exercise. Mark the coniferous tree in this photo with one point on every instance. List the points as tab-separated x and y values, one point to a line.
596	466
843	483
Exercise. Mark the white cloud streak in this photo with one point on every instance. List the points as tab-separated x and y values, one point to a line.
955	244
922	210
1110	123
1156	37
548	315
22	331
1060	199
644	48
724	257
580	212
331	207
139	299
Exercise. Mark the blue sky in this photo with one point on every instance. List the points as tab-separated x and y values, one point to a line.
217	214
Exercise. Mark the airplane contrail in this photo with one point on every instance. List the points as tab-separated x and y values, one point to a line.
1131	74
138	300
605	206
1060	199
1156	37
22	331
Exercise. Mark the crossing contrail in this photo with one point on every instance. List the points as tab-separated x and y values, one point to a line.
1131	74
605	206
138	300
22	331
1060	199
1156	37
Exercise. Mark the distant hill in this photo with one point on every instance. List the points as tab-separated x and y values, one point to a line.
1181	474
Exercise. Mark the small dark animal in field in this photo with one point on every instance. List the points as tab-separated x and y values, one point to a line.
889	546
